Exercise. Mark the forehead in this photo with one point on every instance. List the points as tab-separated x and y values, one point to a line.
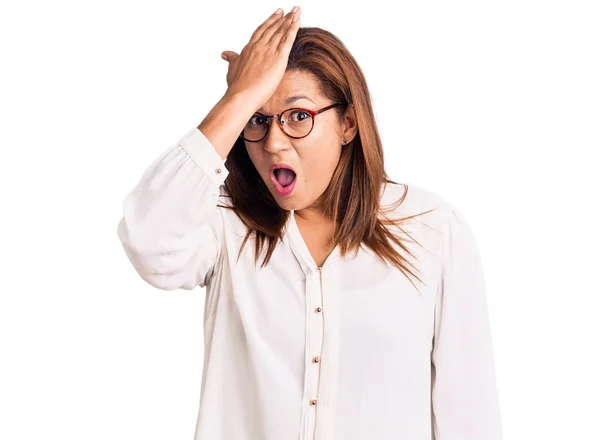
295	89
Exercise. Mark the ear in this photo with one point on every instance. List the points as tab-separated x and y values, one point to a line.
349	124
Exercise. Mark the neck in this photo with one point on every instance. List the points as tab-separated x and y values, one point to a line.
312	216
314	221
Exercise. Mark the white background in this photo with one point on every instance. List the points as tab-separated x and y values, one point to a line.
493	105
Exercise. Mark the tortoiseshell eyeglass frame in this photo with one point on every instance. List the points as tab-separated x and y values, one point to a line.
312	113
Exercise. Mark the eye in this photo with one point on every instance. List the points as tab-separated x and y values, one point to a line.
257	120
298	116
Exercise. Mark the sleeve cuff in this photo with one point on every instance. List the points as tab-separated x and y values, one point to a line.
204	154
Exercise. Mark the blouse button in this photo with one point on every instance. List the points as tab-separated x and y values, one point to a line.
313	402
218	171
316	359
318	309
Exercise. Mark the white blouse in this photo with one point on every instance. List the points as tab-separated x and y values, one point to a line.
347	351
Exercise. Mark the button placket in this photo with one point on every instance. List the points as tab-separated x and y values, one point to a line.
318	340
316	417
316	323
313	366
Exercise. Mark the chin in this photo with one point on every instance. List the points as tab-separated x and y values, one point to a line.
291	201
288	203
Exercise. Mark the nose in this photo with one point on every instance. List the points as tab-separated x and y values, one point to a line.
275	140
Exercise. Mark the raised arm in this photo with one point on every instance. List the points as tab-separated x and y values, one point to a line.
171	227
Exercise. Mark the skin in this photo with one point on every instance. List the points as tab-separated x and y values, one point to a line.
314	158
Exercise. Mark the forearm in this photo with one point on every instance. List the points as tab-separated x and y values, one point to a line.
225	122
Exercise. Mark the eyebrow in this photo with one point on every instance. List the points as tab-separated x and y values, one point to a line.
292	99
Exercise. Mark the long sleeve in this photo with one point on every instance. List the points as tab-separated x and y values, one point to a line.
171	228
465	403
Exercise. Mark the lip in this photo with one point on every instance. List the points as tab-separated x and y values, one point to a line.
278	188
281	165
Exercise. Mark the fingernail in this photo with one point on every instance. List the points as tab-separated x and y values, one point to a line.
224	57
295	8
278	11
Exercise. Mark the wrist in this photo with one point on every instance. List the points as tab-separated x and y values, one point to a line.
241	101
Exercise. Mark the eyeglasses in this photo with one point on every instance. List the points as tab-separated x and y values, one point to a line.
296	123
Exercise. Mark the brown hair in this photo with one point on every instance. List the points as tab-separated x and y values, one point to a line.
352	199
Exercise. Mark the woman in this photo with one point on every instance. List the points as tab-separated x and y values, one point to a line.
339	304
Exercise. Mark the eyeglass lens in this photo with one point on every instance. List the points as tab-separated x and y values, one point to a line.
295	123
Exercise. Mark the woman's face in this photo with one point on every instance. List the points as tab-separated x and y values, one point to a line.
313	158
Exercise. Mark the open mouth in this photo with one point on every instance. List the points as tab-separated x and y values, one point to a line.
284	180
284	176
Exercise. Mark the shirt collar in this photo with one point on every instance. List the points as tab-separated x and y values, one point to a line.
300	250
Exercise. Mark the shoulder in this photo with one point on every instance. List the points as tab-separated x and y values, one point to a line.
406	199
437	222
419	208
440	215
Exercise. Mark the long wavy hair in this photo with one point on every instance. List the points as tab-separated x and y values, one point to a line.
352	199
